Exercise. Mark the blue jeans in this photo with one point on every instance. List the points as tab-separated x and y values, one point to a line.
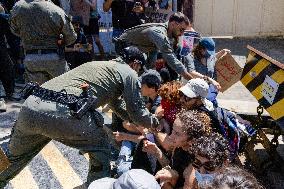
125	158
212	95
116	32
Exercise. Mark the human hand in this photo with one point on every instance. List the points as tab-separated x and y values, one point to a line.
167	175
226	50
126	125
151	148
159	113
137	9
215	83
77	47
119	136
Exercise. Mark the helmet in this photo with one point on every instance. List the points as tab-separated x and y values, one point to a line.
132	53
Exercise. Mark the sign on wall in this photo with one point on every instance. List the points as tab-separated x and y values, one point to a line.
157	16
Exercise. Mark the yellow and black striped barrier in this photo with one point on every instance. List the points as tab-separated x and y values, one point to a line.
264	78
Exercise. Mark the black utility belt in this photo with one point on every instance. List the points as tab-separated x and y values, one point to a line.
41	51
78	105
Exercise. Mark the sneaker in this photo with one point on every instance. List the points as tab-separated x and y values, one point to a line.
3	106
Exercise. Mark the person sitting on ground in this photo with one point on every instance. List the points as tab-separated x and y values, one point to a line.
150	83
132	179
232	178
211	156
79	52
202	60
176	97
188	126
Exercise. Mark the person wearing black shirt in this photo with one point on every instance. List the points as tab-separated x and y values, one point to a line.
125	14
6	64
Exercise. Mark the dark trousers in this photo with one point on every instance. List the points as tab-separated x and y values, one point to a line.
7	73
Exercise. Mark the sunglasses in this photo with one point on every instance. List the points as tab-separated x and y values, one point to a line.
208	166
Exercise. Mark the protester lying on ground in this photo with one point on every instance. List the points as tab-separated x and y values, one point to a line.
188	126
150	83
211	155
232	178
157	36
132	179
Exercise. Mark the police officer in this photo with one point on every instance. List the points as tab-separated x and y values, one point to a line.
161	36
39	24
42	120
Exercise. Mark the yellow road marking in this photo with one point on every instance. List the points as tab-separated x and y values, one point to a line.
60	167
24	180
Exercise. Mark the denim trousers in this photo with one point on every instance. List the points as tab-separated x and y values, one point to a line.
125	157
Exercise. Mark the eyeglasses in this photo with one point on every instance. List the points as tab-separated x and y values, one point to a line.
208	166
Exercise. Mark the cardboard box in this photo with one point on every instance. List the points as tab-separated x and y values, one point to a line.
228	71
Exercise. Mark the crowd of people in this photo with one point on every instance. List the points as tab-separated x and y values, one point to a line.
171	131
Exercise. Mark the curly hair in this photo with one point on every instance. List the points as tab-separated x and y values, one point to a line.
213	147
169	92
233	177
195	123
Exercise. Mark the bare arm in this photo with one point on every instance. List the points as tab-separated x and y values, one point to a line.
131	127
189	177
120	136
222	53
152	148
162	139
107	5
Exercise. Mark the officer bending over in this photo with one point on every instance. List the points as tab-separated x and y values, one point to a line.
161	36
46	115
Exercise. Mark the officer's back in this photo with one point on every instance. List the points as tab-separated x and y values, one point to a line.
107	79
39	24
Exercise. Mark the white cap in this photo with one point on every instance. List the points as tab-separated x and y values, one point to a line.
132	179
197	88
